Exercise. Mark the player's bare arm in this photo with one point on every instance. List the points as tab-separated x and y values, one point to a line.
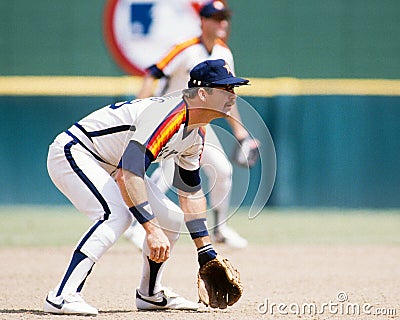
235	122
194	206
134	193
147	88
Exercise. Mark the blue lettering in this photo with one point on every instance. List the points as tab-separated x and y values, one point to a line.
119	104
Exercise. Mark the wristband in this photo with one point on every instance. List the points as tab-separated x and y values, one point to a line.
205	254
197	228
142	212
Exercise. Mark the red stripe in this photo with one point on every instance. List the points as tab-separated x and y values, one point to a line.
166	129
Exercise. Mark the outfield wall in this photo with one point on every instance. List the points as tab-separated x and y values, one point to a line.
336	137
332	149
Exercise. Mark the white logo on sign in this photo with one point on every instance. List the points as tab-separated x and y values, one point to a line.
139	33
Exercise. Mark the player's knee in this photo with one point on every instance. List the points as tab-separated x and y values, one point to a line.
126	222
120	219
172	222
172	225
99	242
173	236
174	232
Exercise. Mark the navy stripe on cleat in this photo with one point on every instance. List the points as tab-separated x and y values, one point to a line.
68	304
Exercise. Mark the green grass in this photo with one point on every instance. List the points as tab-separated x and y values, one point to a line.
321	226
56	226
41	226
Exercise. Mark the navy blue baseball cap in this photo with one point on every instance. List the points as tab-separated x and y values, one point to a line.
215	9
214	73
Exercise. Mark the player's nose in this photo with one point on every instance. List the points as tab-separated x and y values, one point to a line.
224	24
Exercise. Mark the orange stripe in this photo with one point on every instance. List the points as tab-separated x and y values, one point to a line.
166	130
175	51
222	43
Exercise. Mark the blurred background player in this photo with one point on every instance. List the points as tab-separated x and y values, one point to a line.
172	73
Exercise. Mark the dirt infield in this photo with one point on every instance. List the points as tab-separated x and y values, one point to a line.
281	282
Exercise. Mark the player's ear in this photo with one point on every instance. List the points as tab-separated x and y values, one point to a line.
202	94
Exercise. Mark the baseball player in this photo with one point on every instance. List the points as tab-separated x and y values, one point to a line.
100	162
173	72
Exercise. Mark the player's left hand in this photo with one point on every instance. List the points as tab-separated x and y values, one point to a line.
247	153
218	283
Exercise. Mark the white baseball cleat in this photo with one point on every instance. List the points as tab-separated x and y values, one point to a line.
229	237
72	303
136	234
165	299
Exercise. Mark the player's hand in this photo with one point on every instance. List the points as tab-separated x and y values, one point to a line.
158	244
246	153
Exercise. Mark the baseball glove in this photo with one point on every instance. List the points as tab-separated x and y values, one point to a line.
219	283
246	153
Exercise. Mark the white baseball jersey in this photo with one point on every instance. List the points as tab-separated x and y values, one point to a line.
173	70
159	124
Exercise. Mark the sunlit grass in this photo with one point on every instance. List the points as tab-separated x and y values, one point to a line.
56	226
37	226
320	226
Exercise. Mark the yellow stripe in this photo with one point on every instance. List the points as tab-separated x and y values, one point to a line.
175	51
294	86
167	132
127	85
69	86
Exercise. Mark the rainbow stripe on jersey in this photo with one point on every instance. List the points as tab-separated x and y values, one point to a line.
167	128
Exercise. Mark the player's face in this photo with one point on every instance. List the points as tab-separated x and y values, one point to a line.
223	99
216	27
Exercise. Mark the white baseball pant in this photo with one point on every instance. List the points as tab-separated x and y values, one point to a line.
89	184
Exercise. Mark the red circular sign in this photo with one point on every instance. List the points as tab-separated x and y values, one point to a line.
139	32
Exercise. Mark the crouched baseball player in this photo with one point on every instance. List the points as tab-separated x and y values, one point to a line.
100	163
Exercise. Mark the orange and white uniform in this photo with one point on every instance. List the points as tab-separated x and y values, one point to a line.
173	70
